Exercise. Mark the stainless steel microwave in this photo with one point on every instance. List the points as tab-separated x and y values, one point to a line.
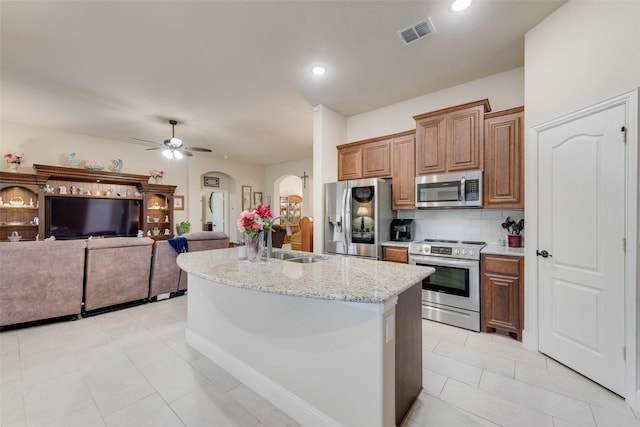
451	190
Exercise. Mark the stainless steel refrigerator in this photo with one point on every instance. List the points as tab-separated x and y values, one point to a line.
357	217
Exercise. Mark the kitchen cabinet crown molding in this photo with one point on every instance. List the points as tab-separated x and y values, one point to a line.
482	102
376	139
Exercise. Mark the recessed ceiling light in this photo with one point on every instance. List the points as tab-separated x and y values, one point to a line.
318	71
460	5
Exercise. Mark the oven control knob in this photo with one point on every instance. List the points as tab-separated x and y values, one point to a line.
427	249
456	251
471	252
464	252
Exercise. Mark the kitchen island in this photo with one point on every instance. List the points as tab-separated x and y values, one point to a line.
332	343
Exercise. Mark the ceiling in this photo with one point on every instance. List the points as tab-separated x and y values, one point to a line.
236	74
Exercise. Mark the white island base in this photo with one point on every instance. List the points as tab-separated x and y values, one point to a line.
323	362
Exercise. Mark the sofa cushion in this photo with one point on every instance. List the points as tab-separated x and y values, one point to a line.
117	271
40	280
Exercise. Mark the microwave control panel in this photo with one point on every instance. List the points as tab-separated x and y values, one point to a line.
472	190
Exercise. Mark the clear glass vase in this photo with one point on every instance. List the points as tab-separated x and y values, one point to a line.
255	246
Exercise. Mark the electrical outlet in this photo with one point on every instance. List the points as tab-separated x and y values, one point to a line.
390	328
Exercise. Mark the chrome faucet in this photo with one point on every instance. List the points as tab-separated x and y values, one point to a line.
269	243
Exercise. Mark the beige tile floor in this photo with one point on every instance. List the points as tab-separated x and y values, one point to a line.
132	368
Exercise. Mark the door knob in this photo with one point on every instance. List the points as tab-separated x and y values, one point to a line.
544	254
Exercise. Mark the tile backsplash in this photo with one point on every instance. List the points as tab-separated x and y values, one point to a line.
463	224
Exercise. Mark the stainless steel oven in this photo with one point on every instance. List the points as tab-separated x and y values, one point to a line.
452	294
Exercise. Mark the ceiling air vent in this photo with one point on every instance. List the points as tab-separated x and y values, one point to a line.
417	31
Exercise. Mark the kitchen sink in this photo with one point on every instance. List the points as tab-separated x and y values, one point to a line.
306	259
284	255
293	257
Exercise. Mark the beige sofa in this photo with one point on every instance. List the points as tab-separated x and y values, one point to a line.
166	276
117	271
40	280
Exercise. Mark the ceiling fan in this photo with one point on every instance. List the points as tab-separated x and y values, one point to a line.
174	148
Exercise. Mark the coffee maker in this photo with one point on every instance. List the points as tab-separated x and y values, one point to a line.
402	230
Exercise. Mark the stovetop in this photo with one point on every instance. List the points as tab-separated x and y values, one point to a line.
464	249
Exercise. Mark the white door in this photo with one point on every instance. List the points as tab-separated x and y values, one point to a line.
214	208
582	226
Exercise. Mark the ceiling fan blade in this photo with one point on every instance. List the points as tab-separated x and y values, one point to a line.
184	152
145	140
204	150
153	148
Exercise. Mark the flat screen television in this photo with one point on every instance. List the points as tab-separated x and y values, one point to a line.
81	217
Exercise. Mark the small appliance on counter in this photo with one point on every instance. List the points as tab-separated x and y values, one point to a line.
402	230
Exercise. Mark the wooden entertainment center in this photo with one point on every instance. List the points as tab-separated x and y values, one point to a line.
24	197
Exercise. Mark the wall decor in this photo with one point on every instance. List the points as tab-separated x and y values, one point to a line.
211	181
257	198
178	203
246	197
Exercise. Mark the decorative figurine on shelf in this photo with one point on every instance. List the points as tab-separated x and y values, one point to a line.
71	160
149	233
166	218
14	159
48	188
63	190
36	220
157	175
31	203
0	201
140	233
72	189
116	165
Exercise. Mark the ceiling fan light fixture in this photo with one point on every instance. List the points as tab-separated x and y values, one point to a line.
168	154
178	155
175	142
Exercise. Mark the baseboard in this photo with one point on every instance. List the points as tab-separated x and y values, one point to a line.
283	399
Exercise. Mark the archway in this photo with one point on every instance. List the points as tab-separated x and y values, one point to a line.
214	200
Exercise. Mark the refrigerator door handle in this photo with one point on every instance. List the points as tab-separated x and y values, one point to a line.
347	219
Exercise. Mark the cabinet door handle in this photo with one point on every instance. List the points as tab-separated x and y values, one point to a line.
544	254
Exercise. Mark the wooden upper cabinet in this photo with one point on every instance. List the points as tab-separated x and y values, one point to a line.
349	163
451	139
403	172
376	159
504	159
365	159
431	146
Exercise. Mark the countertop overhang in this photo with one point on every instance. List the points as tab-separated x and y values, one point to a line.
340	278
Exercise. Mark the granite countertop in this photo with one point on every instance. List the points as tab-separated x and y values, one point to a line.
396	244
502	250
341	278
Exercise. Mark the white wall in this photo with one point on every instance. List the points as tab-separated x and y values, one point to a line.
584	53
274	173
329	131
49	147
503	90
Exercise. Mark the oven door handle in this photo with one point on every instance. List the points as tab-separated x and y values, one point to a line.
443	262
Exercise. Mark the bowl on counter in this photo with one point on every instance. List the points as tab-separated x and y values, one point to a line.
14	238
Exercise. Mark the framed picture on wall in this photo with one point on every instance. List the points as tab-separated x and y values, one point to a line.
257	198
246	197
211	181
178	203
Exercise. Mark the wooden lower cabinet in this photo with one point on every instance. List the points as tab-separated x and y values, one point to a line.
502	294
395	254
